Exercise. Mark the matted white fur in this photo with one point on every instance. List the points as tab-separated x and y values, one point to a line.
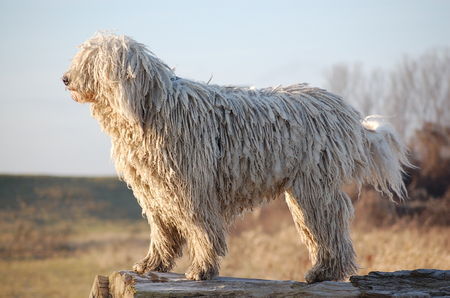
198	155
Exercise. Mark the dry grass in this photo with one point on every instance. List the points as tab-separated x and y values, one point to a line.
266	245
97	247
403	248
281	256
263	245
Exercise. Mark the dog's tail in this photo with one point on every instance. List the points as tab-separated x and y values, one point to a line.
387	157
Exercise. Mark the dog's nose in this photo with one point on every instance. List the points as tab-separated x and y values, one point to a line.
65	80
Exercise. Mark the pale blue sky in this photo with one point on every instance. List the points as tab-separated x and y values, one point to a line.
261	43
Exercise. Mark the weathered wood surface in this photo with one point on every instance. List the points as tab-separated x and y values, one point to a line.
100	288
416	283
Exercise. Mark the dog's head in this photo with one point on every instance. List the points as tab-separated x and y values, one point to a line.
120	72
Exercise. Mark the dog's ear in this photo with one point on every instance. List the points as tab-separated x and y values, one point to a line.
140	80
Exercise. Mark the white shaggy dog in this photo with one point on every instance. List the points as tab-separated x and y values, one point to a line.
198	155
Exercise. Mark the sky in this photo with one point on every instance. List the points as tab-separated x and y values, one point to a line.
252	43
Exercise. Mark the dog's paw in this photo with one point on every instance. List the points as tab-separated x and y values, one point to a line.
150	264
140	267
319	274
331	270
198	273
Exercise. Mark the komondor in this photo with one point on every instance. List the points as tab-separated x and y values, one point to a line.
198	155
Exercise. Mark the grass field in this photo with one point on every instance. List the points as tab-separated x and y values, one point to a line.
55	248
252	253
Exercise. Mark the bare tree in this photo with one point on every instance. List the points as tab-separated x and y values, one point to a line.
415	91
365	91
420	89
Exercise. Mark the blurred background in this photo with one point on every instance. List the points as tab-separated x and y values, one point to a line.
64	215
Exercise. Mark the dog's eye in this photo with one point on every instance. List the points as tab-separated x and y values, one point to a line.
65	80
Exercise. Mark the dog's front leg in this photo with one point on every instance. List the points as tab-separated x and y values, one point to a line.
207	243
166	244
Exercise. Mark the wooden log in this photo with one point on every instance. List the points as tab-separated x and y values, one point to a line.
100	288
156	284
416	283
405	283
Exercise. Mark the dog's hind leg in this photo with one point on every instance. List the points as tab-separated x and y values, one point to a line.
322	218
166	244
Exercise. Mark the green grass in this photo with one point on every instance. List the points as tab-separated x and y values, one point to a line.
103	198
